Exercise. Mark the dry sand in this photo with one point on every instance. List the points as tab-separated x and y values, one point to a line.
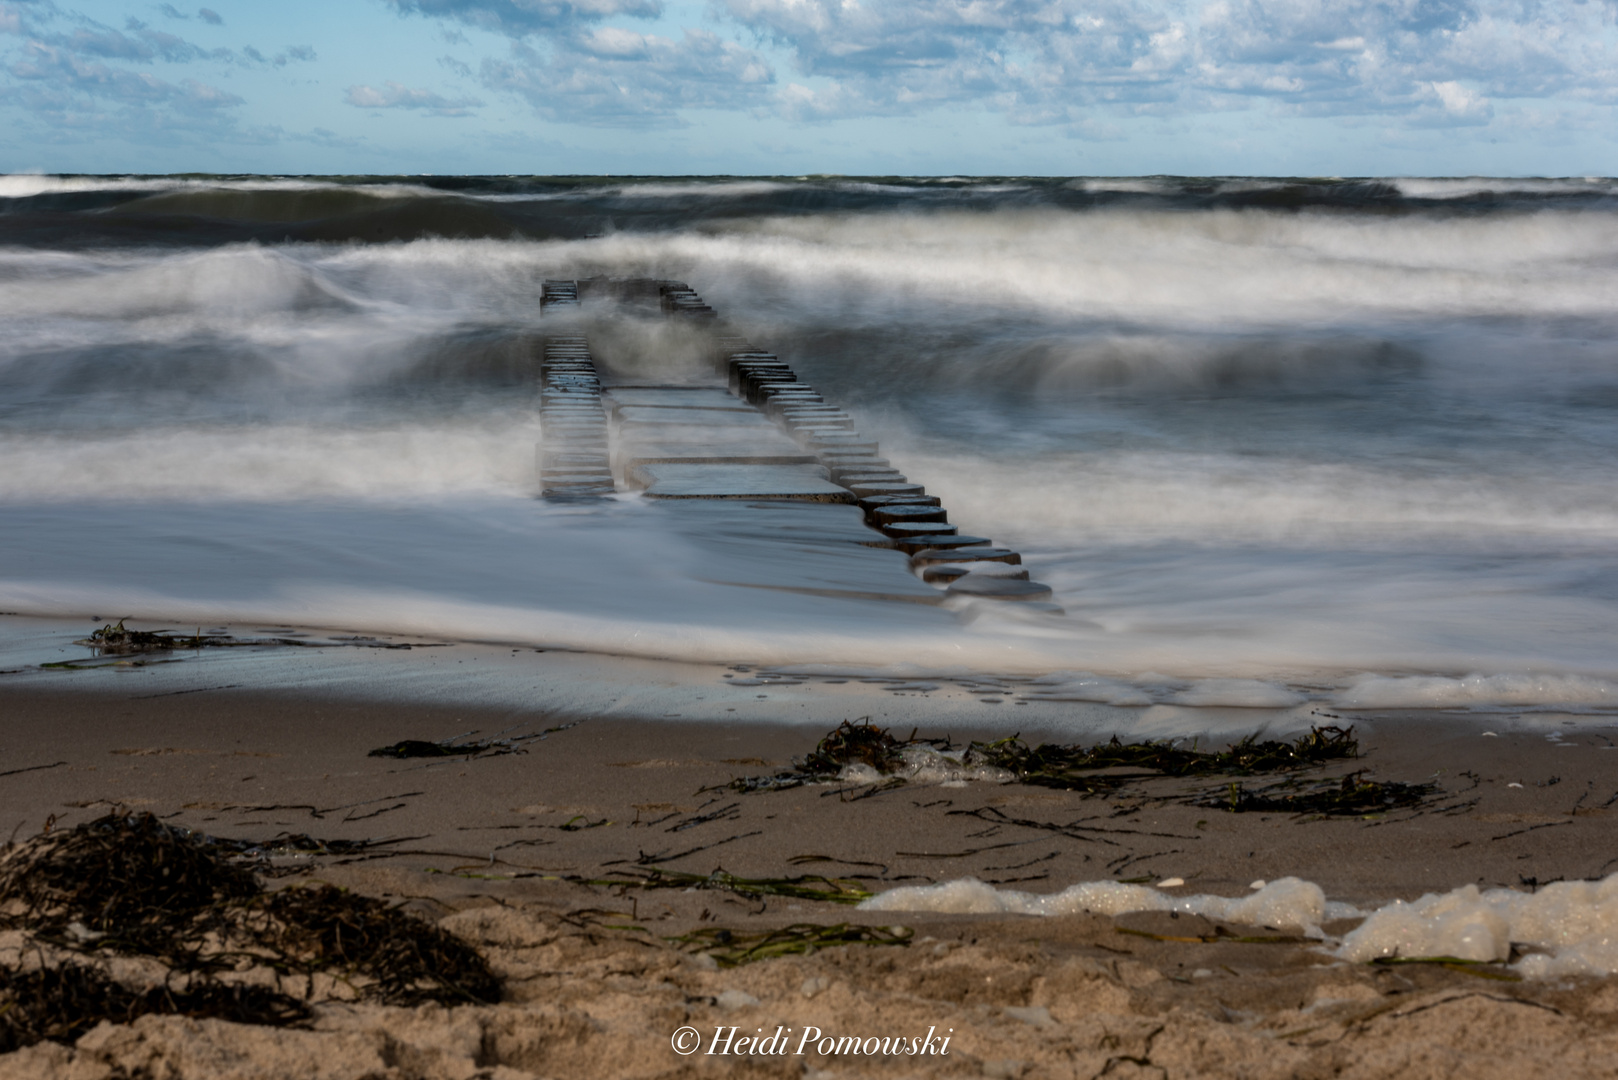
491	848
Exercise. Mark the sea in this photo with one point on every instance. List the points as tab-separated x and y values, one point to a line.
1339	442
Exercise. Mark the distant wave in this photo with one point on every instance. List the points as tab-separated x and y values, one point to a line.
52	210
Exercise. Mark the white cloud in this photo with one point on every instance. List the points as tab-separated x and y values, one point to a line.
619	77
520	18
1079	63
1460	104
397	96
1058	61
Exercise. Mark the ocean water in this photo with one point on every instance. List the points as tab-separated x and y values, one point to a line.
1271	442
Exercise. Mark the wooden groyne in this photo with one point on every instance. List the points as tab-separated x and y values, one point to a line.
574	458
754	431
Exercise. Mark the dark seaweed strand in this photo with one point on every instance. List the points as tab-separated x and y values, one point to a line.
128	884
1055	765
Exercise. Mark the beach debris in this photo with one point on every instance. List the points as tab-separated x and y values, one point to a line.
115	639
731	949
861	743
855	750
455	747
131	878
406	959
62	1003
1351	794
1075	768
130	885
803	887
860	751
870	758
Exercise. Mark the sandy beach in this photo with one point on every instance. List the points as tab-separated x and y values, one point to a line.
516	853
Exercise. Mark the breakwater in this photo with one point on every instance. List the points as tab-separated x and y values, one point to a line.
753	430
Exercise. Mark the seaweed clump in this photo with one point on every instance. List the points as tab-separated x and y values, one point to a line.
129	885
62	1003
408	960
116	640
464	746
1073	767
850	743
1108	768
1349	795
857	744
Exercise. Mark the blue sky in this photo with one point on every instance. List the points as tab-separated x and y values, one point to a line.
1306	87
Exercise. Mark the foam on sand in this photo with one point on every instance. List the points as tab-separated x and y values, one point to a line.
1575	922
1285	902
1573	925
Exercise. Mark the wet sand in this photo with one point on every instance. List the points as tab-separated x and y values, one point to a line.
501	848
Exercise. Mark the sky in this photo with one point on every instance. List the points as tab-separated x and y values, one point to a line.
873	87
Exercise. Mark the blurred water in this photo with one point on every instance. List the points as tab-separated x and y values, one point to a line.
1310	434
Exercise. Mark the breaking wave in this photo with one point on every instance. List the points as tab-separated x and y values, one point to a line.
1258	434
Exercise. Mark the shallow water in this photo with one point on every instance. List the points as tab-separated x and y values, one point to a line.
1345	442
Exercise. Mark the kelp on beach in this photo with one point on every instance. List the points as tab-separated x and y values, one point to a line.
1108	769
1073	767
118	645
127	885
731	949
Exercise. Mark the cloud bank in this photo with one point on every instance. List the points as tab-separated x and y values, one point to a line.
1532	71
1060	62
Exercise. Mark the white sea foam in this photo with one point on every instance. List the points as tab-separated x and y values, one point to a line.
1237	694
28	185
1288	902
1171	270
1572	926
276	462
1573	923
1465	186
1502	691
1082	686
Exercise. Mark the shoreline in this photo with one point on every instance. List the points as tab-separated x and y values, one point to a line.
513	851
204	759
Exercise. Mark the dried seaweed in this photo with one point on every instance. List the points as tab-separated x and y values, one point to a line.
730	949
407	959
62	1003
127	884
129	881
